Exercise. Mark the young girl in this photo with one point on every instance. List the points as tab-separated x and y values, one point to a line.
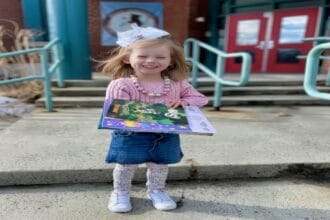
148	67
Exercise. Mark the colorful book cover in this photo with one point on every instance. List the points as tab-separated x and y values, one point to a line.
145	117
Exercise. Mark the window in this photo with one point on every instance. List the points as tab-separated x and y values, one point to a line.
293	29
247	32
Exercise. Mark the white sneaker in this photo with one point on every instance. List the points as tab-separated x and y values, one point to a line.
161	200
120	203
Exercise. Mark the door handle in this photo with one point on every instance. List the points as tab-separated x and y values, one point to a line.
265	45
261	45
270	44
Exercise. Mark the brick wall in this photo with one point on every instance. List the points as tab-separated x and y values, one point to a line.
10	10
179	20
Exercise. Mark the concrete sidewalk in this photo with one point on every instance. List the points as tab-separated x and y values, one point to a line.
286	199
66	146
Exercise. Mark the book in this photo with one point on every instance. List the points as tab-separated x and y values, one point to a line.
158	118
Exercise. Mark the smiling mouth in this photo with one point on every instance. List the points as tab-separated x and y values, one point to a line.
150	67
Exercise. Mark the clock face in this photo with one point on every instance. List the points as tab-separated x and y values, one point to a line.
121	20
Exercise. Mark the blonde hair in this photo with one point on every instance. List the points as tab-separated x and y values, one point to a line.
178	69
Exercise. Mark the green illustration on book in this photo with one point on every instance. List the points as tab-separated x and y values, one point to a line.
145	117
145	112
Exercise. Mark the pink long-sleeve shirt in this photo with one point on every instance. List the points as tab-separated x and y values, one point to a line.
124	88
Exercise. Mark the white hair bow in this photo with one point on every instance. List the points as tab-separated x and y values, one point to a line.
126	38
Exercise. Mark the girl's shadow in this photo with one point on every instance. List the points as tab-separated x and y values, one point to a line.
196	208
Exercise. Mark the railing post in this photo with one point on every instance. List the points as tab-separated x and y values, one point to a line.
246	68
58	55
219	72
47	79
186	48
195	57
220	67
327	81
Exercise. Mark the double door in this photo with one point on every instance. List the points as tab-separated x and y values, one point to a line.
275	39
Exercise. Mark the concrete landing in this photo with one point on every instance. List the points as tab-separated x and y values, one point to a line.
66	146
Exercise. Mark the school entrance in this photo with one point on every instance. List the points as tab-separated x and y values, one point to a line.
274	39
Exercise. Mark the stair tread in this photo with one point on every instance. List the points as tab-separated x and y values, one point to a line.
76	98
78	88
281	78
201	81
272	97
96	88
97	98
262	88
236	77
269	100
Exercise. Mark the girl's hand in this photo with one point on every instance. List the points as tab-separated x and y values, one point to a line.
175	104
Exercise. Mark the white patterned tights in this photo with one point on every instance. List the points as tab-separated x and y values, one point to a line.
123	175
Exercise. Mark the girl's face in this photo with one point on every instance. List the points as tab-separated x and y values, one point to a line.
150	61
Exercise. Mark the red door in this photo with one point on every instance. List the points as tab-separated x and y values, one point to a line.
244	33
274	39
289	28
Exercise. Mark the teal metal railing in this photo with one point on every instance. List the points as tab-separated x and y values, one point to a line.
312	70
49	66
192	49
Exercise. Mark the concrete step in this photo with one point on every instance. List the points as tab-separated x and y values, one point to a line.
260	90
207	90
203	81
97	101
251	142
79	91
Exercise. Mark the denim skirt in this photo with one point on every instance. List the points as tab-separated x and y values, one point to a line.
128	147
